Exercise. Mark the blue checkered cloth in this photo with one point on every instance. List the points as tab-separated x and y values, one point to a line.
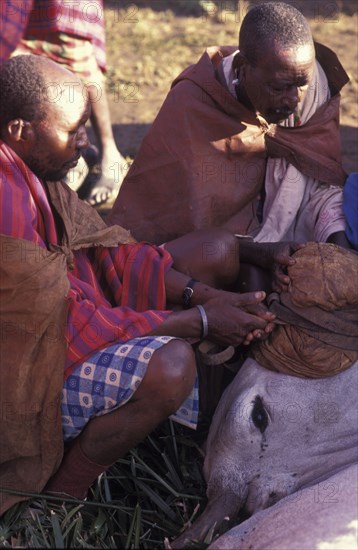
109	378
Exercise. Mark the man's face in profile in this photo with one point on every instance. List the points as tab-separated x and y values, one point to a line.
279	81
61	136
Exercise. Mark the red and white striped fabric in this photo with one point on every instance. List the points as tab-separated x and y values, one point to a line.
81	19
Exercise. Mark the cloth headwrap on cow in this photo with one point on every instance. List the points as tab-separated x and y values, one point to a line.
318	336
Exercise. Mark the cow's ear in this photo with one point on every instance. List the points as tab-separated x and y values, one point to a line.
19	130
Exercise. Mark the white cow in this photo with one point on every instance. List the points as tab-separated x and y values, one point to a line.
273	435
320	517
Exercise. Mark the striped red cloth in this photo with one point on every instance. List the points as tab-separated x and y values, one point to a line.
116	293
81	19
14	16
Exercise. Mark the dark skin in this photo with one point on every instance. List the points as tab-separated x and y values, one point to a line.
265	265
272	90
62	131
270	258
339	238
273	87
50	148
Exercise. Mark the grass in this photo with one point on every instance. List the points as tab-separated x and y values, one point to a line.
143	501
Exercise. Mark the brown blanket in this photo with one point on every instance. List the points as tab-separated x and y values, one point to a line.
204	158
33	313
318	336
33	286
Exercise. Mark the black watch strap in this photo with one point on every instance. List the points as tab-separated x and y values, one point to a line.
188	293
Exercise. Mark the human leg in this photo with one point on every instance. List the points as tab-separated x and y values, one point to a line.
209	255
113	164
213	257
169	379
166	382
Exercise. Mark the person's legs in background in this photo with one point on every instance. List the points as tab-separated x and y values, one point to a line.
113	164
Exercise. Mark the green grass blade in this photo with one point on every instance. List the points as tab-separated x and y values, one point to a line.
57	533
157	499
131	529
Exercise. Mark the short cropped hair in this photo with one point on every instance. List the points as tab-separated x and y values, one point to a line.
22	90
272	20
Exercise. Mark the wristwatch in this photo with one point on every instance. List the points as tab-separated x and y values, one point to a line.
188	293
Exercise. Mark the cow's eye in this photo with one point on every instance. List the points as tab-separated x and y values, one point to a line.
259	415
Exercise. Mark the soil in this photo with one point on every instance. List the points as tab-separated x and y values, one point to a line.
150	42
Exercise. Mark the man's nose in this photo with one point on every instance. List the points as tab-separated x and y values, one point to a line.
82	139
291	97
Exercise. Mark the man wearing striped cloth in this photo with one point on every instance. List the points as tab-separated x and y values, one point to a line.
86	322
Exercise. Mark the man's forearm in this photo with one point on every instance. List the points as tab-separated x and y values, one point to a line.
250	251
182	324
175	282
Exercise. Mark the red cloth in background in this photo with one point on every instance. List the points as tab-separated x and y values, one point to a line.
81	19
39	19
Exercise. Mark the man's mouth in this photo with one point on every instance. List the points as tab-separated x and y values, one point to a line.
275	115
283	113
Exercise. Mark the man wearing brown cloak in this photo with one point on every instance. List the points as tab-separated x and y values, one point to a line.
247	139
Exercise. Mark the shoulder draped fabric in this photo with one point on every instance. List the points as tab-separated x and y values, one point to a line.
204	161
63	277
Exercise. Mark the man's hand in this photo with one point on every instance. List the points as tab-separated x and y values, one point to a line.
278	257
238	318
273	257
233	319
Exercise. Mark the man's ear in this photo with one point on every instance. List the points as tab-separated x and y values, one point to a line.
19	130
239	60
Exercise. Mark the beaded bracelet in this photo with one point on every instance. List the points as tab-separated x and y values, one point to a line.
204	321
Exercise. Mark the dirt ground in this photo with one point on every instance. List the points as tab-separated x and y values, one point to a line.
150	42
